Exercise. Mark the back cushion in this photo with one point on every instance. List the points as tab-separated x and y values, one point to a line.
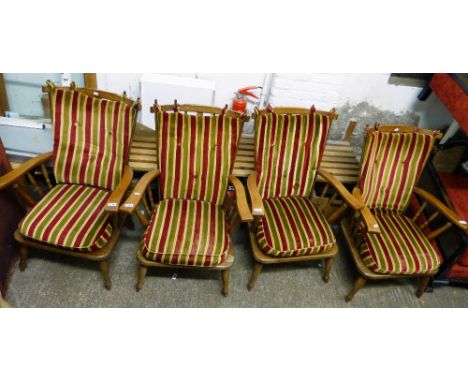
196	155
288	152
391	166
91	138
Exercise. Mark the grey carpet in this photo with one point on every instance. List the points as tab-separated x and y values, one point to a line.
54	281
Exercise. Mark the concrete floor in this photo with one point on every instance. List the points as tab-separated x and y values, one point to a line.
53	281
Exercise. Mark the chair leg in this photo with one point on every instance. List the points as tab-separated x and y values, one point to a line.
255	272
141	277
23	258
423	285
328	268
104	266
225	275
358	284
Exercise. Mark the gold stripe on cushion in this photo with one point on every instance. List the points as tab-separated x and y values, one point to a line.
400	249
70	216
391	166
186	232
91	138
288	152
196	155
293	226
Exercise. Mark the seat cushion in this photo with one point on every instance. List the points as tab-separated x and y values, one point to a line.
186	232
400	249
70	216
293	226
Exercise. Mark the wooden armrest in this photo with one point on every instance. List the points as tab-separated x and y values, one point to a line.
116	196
367	216
135	197
255	198
344	193
241	200
13	176
442	208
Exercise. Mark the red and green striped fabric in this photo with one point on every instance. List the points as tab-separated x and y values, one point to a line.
91	138
391	166
293	226
288	152
186	232
400	248
70	216
196	155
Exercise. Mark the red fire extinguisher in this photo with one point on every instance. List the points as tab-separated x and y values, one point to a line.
240	102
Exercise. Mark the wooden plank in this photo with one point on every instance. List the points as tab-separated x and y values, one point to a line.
327	165
3	96
90	80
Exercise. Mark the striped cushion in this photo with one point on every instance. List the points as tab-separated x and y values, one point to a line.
400	249
70	216
391	166
288	152
186	232
91	138
293	227
196	155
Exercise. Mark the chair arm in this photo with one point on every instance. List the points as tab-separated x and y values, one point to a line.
13	176
134	199
442	208
344	193
369	219
255	198
116	196
241	200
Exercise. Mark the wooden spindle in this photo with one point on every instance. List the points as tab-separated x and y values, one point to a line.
428	221
141	217
336	213
36	187
45	173
151	199
439	231
418	212
325	190
145	204
329	202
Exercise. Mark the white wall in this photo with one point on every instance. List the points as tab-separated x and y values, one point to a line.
325	90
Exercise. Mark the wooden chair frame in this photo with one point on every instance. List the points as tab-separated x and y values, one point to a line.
17	179
331	214
355	236
142	196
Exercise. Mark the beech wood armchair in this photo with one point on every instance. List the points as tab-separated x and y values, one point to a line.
393	159
191	224
75	211
289	225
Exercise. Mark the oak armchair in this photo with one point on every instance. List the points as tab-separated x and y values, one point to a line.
190	225
289	226
75	211
393	159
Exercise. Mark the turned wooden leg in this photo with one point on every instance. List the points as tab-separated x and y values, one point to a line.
359	283
226	274
423	285
255	272
104	266
23	258
141	277
328	268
